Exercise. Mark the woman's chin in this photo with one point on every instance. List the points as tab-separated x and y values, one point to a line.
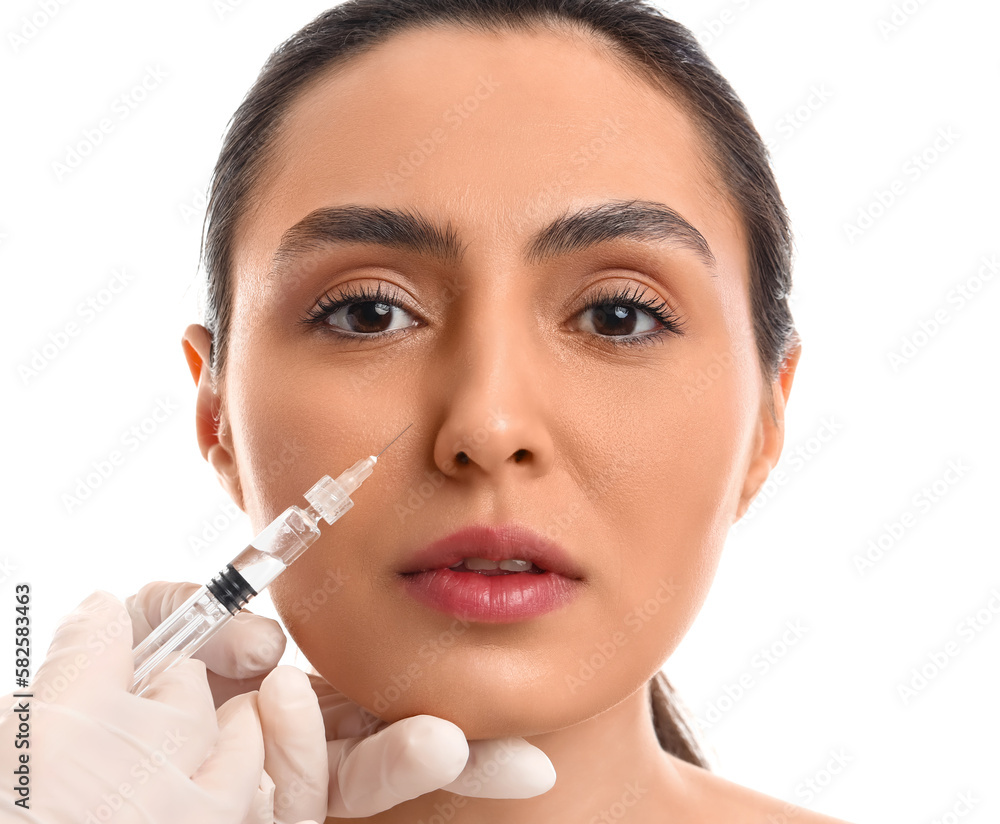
480	712
479	720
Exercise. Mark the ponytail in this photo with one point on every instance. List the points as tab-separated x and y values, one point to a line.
670	719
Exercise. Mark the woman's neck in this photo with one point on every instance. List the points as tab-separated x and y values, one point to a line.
608	767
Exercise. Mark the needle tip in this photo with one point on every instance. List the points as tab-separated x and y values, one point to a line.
392	441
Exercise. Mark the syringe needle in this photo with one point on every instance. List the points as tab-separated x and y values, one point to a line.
270	553
392	442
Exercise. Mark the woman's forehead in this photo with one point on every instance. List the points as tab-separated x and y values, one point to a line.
497	134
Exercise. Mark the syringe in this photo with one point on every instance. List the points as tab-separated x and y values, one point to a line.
269	554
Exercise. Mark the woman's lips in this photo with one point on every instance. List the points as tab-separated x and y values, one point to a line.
509	541
492	599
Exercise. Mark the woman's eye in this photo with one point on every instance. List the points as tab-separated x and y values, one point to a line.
626	319
361	313
369	318
618	320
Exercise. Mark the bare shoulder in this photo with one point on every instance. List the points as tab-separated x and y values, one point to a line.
722	800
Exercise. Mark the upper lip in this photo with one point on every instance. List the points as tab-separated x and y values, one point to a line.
494	543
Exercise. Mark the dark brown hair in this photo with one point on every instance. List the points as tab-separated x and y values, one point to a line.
644	42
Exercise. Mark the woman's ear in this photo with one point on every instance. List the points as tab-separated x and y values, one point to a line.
770	437
214	439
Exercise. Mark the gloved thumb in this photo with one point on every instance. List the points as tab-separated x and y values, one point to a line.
504	768
248	646
294	744
233	770
406	759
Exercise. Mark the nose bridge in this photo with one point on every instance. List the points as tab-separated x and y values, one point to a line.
494	408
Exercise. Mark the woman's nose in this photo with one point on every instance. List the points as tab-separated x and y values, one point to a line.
496	405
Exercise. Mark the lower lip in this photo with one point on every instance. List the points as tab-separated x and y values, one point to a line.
491	599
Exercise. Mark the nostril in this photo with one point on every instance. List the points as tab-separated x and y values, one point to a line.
462	458
520	455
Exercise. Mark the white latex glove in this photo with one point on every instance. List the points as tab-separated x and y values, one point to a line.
98	753
372	766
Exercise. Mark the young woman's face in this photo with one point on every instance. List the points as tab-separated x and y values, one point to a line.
633	448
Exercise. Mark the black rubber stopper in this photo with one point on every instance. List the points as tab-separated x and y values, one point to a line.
231	589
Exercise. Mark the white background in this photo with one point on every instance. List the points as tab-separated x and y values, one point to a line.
848	103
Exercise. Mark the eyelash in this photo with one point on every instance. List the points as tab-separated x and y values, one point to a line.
671	322
347	296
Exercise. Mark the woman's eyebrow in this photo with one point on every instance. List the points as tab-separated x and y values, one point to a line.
645	221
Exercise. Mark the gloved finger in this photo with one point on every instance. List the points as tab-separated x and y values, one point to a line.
248	646
342	718
231	775
408	758
504	768
295	754
186	711
262	806
90	652
146	607
225	688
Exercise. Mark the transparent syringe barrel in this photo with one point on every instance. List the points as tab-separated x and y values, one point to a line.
210	608
276	546
190	626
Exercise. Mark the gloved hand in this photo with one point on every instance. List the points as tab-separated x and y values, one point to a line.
372	765
98	753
